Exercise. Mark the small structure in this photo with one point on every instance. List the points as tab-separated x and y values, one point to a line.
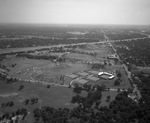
114	56
105	75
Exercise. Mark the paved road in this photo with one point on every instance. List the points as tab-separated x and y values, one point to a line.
135	88
9	50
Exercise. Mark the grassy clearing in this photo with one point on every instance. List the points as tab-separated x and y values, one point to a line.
104	97
54	96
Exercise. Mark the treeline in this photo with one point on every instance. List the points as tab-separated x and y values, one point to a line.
45	57
42	42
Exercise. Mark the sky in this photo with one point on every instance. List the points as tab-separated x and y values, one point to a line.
128	12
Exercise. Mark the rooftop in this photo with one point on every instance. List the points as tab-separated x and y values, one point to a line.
105	75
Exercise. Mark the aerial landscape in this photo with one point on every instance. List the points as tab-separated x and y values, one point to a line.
72	72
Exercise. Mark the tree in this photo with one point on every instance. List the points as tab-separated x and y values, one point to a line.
119	74
48	86
97	66
108	98
97	103
109	64
77	89
117	82
11	104
118	90
129	90
105	63
103	87
32	101
100	88
27	101
21	87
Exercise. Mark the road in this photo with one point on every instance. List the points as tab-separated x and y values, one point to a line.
9	50
135	88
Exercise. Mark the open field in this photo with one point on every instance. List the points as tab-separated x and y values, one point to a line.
104	97
50	71
65	66
57	97
40	70
77	61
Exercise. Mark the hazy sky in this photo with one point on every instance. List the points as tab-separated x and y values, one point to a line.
75	11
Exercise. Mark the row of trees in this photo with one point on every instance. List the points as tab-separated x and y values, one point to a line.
88	87
29	56
7	104
31	101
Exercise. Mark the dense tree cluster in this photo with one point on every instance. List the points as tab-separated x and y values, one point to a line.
134	51
88	101
97	66
144	87
122	109
88	88
14	116
5	77
117	82
123	33
31	101
29	36
21	87
77	89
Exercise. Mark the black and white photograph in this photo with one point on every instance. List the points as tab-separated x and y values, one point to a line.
74	61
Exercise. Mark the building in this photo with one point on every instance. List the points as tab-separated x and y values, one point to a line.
106	75
112	56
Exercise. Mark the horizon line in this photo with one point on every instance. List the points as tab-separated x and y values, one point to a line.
27	23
